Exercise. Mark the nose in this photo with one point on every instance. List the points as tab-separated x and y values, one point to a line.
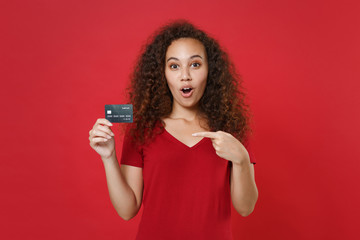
185	75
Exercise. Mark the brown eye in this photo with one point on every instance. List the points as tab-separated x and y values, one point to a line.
174	66
195	64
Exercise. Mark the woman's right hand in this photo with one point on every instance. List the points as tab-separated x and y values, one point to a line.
101	138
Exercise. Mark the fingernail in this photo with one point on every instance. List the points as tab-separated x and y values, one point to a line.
194	134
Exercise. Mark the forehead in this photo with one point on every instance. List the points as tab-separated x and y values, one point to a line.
184	47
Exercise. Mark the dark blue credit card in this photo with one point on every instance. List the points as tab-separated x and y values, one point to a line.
119	113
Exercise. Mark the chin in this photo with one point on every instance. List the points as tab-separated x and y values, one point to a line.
190	105
187	103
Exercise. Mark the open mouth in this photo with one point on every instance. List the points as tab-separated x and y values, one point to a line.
186	90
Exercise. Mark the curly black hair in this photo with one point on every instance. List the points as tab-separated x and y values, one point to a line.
223	102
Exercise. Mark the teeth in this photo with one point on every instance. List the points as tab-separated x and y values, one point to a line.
186	89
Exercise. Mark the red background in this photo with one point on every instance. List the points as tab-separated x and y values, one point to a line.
62	61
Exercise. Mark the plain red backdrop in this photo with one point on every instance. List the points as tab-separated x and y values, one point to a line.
62	61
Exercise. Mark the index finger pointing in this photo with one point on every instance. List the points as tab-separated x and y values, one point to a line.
205	134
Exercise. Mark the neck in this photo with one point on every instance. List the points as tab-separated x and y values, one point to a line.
189	114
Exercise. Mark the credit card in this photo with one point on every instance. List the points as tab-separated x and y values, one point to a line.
119	113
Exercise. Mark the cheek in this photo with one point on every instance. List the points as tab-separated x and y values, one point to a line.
170	81
203	82
203	78
167	76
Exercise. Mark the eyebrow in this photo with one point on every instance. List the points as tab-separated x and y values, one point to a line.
194	56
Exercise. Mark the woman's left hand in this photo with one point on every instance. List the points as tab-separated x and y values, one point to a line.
227	146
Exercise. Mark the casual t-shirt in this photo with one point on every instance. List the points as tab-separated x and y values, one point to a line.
186	189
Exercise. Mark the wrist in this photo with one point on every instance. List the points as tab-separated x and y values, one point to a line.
241	160
242	164
110	159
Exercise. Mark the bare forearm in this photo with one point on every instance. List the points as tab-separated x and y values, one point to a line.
121	195
244	193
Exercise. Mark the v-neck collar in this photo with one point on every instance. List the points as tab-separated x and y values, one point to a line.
174	139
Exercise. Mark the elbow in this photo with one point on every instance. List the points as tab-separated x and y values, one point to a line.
245	213
126	217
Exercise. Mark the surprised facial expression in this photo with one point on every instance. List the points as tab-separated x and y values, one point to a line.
186	71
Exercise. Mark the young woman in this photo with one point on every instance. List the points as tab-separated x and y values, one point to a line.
186	156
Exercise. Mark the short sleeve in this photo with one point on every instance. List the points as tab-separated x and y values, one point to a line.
247	145
130	154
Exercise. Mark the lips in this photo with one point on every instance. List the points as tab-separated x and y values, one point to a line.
187	91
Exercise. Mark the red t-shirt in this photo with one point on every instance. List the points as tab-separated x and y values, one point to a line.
186	189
